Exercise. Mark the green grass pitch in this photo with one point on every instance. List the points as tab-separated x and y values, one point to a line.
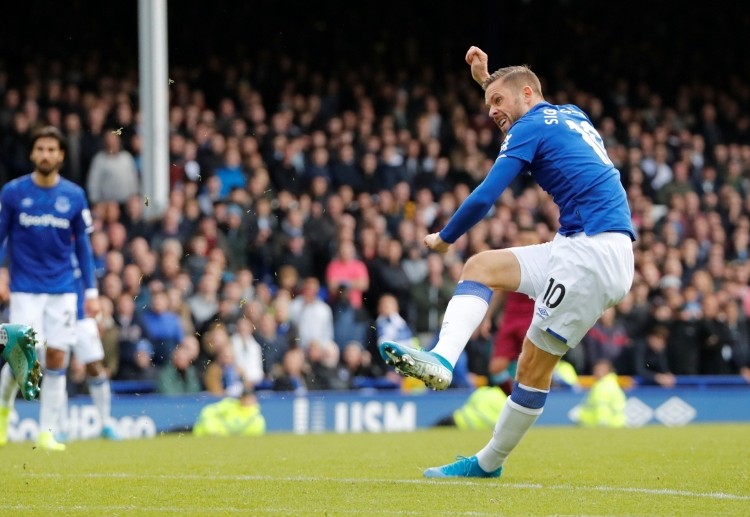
701	470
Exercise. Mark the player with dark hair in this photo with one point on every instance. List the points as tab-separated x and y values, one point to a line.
44	220
585	269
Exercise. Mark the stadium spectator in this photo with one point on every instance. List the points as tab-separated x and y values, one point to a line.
387	276
323	362
431	296
204	303
291	374
605	340
390	325
247	352
651	362
223	376
231	416
134	219
162	328
312	317
110	336
231	174
604	406
112	175
360	370
347	272
296	253
170	227
480	411
716	349
179	306
179	376
273	344
414	263
136	351
237	237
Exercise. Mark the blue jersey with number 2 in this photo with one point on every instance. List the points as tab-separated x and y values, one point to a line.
564	153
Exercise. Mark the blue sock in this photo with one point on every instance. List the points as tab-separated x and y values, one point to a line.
530	398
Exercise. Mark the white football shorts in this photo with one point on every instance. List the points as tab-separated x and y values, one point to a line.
88	346
573	280
52	316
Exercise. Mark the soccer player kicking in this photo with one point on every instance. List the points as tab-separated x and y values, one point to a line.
585	269
44	219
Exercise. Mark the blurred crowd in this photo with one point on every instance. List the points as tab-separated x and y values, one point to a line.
291	243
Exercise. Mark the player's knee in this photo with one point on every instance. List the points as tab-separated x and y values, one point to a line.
55	359
95	369
497	269
473	270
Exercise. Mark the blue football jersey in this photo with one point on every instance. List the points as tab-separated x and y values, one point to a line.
42	228
565	155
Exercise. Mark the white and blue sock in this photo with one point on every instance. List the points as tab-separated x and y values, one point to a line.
521	410
464	313
101	395
51	398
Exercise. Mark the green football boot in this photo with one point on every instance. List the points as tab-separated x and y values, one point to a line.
20	353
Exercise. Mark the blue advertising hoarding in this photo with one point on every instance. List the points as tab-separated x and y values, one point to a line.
376	411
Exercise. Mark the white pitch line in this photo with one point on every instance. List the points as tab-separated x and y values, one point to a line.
221	509
455	482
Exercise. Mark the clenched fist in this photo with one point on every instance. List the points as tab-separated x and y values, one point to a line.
477	60
435	243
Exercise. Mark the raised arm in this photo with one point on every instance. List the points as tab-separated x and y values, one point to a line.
476	58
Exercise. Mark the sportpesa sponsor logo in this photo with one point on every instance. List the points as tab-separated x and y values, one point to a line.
43	220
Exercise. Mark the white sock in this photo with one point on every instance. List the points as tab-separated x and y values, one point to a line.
63	414
8	387
51	399
463	315
511	426
101	394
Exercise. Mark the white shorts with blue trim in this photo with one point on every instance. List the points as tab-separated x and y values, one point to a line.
573	280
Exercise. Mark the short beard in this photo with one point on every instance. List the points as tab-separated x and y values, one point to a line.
46	171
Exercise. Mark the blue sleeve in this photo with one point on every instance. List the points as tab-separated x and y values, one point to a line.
478	203
82	227
85	257
6	211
